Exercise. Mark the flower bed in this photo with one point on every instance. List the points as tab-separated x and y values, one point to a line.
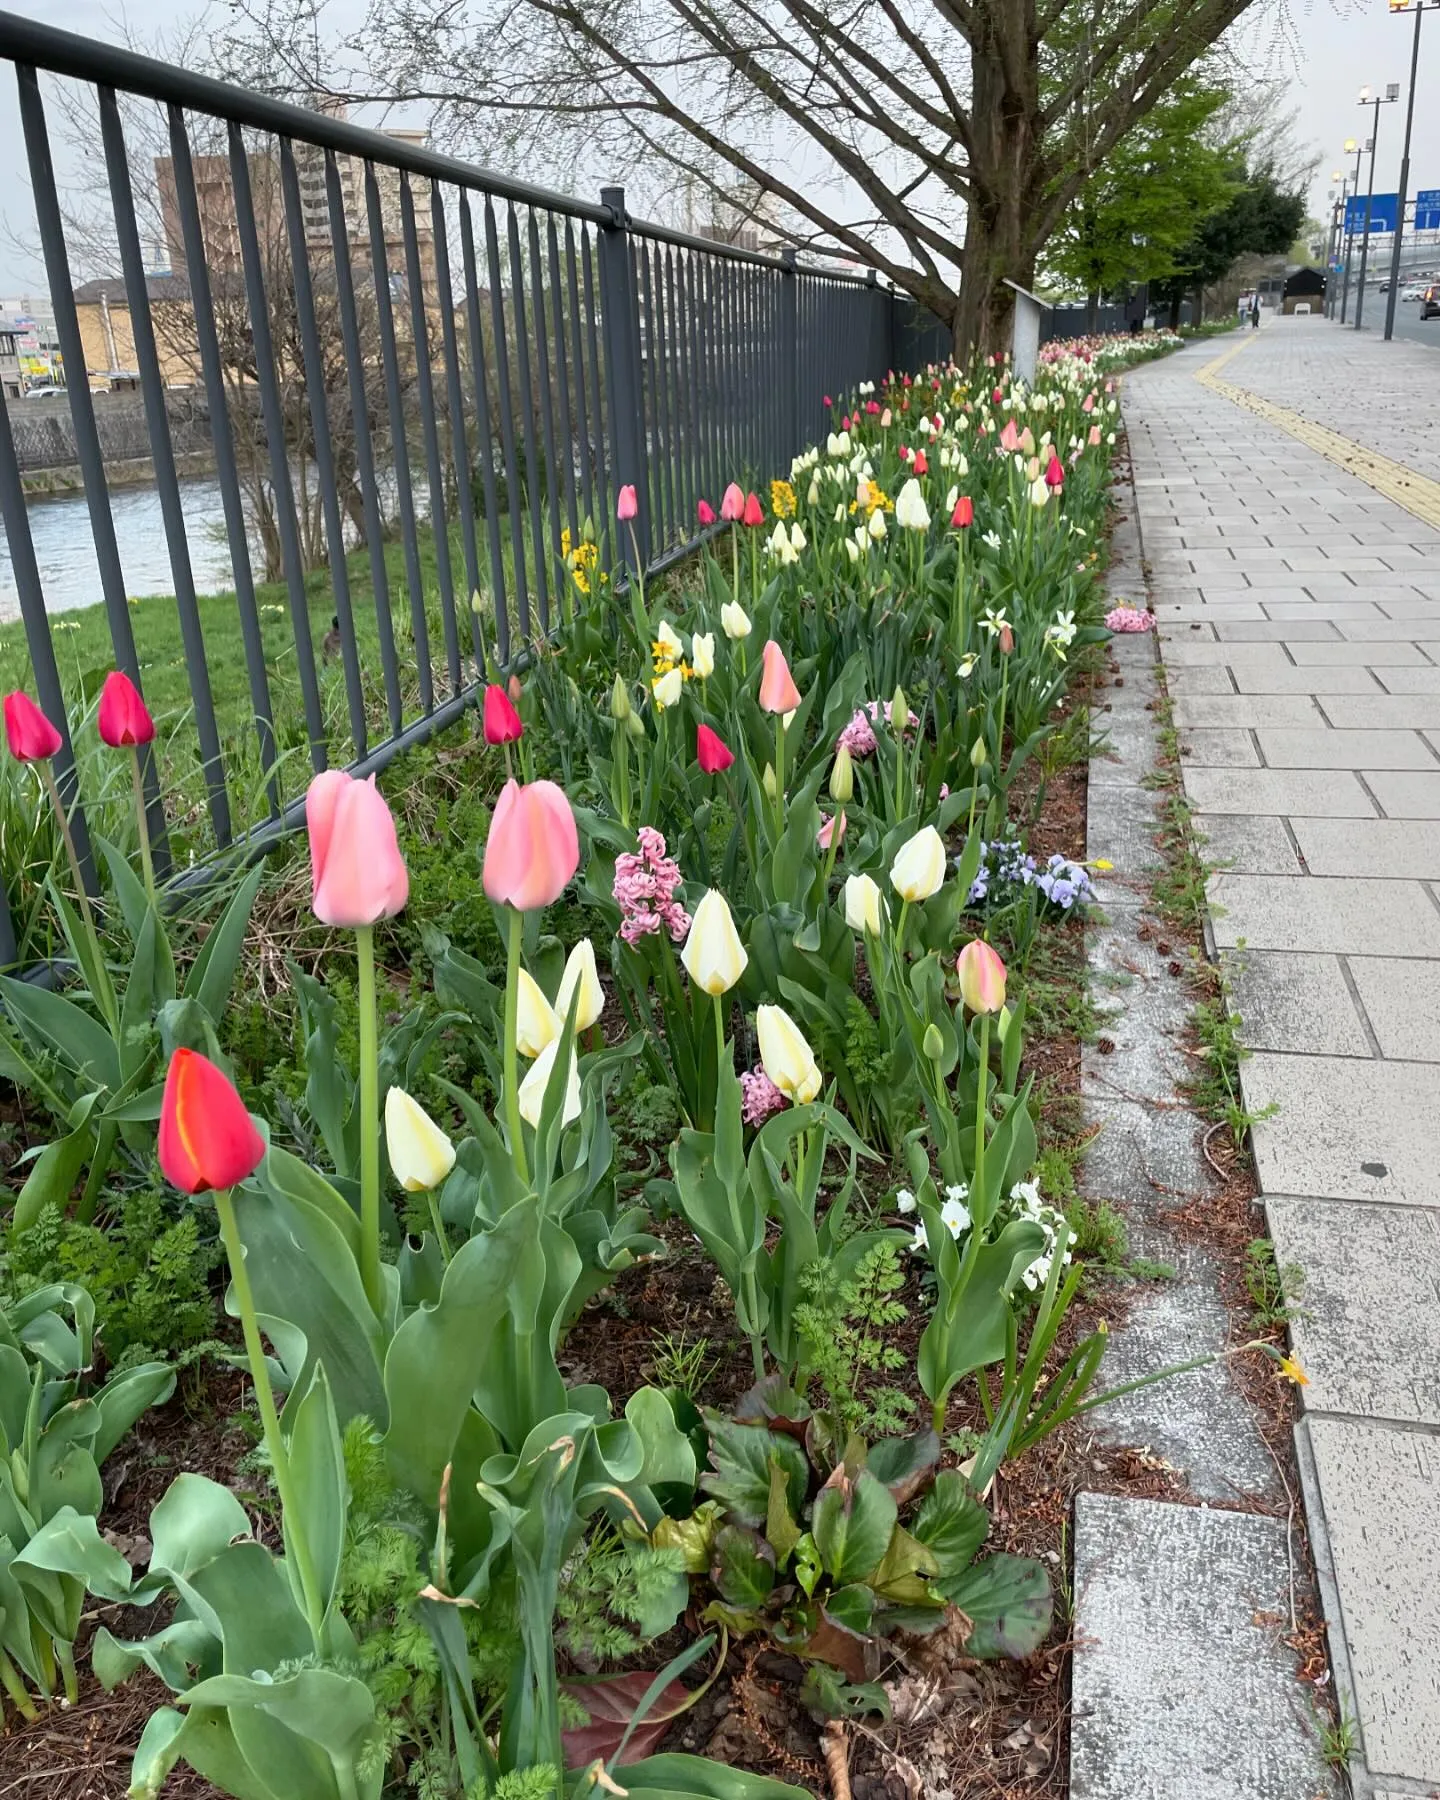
758	863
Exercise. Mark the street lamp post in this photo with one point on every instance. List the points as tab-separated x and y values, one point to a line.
1349	237
1337	226
1419	8
1391	94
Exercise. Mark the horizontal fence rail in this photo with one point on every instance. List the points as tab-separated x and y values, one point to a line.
413	384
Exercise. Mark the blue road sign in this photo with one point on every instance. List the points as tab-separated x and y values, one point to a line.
1382	214
1427	210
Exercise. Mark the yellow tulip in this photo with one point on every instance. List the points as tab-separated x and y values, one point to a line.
420	1153
535	1021
580	972
786	1056
919	868
532	1088
713	956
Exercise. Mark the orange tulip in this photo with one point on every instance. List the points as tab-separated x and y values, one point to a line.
207	1139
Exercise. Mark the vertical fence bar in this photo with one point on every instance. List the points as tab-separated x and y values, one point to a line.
31	594
554	486
621	325
527	419
459	439
425	394
222	445
507	415
484	430
787	339
399	444
82	415
273	414
652	392
601	398
167	486
577	350
562	363
356	363
314	366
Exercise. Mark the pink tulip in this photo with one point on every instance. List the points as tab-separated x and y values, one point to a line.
1094	435
1010	437
732	506
921	466
1089	404
502	723
825	835
997	396
982	977
627	505
31	736
705	512
712	753
964	513
778	692
357	873
123	718
828	403
533	848
754	513
1027	441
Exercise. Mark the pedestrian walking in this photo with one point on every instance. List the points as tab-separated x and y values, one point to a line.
1255	313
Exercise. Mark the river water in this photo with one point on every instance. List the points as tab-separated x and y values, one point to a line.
69	574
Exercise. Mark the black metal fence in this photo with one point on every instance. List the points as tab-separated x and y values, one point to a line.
421	379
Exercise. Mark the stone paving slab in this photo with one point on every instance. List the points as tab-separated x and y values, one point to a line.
1341	913
1405	794
1396	847
1219	747
1178	1692
1257	844
1379	1485
1363	1281
1315	747
1345	1128
1287	999
1343	654
1401	998
1311	793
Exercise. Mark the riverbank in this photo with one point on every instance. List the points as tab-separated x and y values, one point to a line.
133	472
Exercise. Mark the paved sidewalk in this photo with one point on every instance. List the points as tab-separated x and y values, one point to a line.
1300	627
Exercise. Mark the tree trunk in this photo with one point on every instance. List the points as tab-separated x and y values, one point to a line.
1177	300
1092	311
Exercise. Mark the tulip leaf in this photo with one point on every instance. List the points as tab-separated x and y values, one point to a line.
129	889
57	1168
435	1359
59	1025
70	1544
212	974
318	1466
698	1778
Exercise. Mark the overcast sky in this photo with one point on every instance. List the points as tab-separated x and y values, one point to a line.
1334	47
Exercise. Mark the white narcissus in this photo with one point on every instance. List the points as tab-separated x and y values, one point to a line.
669	640
786	1056
919	866
421	1155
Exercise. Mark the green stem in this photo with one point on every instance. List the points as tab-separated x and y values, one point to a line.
900	928
735	562
67	837
65	1657
837	831
146	860
779	773
622	751
977	1185
369	1120
99	1169
15	1688
960	595
512	1013
291	1518
437	1225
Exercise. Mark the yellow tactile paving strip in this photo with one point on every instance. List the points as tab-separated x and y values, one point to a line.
1418	494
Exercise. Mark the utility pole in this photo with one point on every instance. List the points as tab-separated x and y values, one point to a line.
1391	94
1419	8
1349	236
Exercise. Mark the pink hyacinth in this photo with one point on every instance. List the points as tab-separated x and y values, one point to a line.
760	1096
646	884
858	737
1128	618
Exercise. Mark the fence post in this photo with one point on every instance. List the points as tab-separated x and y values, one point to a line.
620	316
790	351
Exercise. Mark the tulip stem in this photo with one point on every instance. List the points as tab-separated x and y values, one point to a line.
735	564
67	837
779	773
512	1014
369	1120
978	1206
900	928
291	1519
438	1225
837	831
147	861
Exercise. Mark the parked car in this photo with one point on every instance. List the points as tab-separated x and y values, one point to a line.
43	391
1430	304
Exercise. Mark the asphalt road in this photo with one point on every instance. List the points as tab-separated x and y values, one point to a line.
1408	323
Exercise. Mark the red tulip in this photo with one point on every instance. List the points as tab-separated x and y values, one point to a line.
712	753
357	873
207	1139
124	718
964	513
904	452
502	723
1055	472
997	396
533	848
732	504
627	505
754	511
921	466
705	512
32	737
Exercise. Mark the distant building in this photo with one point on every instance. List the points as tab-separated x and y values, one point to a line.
1303	287
103	312
10	377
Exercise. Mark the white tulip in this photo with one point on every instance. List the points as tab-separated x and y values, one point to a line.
532	1088
864	904
702	654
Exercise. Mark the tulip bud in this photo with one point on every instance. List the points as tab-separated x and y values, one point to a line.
933	1043
421	1155
535	1021
982	977
979	755
919	867
635	726
899	710
619	700
713	956
842	778
767	781
786	1056
580	973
